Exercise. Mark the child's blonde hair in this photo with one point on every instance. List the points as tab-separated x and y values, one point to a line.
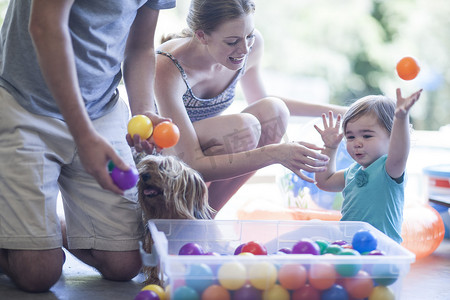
380	106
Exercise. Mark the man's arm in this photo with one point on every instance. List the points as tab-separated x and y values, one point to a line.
50	34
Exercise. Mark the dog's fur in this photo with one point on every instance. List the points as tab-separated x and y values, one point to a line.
169	189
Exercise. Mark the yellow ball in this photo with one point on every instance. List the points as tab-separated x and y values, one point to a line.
232	275
277	292
157	289
381	293
140	125
246	254
262	275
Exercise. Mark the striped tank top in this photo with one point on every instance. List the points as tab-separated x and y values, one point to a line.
198	108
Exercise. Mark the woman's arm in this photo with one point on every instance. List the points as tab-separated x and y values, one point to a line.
169	88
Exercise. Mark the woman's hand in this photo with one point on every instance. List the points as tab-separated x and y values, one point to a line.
331	134
302	156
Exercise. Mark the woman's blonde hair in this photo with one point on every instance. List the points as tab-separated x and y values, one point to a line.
207	15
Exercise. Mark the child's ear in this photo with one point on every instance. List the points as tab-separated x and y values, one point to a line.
201	36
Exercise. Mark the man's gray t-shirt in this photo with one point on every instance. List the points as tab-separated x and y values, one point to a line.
99	30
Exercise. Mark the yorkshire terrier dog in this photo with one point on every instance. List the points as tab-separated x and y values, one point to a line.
169	189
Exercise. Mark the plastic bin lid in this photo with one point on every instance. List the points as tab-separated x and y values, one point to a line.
438	170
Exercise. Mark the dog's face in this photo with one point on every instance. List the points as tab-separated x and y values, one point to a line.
169	189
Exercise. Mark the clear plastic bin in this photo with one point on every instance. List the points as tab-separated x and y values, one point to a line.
234	273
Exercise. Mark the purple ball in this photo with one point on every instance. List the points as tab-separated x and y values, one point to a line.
191	249
306	246
147	295
339	242
285	250
125	179
247	292
239	249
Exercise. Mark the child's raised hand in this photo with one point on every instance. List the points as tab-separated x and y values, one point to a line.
405	104
331	134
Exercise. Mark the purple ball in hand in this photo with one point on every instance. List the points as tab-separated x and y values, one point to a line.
125	179
191	249
306	246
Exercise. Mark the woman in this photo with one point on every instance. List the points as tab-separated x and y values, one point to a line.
196	75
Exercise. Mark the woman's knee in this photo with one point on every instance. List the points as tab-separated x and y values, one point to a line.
273	115
35	271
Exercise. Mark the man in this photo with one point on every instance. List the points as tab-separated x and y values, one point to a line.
61	122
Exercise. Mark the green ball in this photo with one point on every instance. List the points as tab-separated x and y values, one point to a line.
348	270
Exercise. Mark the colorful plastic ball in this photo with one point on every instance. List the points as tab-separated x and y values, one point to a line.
232	275
360	286
323	245
185	293
306	246
407	68
292	276
146	295
348	270
364	241
333	249
322	276
199	277
276	292
216	292
125	179
385	274
422	230
336	292
140	125
255	248
285	250
339	242
381	293
376	252
157	289
247	292
191	249
306	293
262	275
239	249
166	134
246	254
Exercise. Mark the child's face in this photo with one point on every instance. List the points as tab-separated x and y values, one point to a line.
367	140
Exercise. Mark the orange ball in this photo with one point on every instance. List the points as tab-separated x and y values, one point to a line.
407	68
166	134
360	286
216	292
292	276
322	276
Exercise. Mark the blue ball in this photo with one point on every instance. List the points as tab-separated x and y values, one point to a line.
364	241
336	292
185	293
199	277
